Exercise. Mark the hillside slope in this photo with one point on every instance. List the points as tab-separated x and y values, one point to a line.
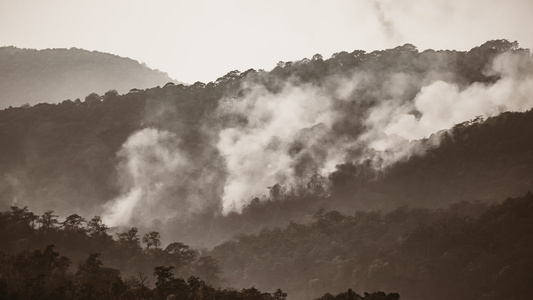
256	148
466	251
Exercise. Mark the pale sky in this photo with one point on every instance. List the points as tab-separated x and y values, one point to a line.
202	40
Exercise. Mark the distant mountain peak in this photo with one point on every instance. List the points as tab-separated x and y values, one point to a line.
52	75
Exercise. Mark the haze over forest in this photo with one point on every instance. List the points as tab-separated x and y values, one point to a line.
396	170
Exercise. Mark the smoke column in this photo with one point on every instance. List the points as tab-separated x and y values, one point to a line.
257	153
150	171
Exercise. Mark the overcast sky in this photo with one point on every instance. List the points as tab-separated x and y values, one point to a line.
202	40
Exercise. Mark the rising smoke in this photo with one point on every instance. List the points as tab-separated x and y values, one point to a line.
443	104
258	154
286	136
440	105
157	180
386	23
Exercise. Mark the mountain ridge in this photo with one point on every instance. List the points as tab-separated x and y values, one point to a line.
30	76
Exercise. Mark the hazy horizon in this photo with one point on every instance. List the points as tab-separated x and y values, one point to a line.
203	40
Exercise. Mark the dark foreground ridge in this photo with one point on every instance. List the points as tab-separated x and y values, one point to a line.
46	274
467	251
470	250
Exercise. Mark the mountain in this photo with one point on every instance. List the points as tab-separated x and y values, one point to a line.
187	154
29	76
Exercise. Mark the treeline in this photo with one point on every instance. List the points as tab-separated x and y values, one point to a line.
43	274
351	295
46	274
21	229
467	251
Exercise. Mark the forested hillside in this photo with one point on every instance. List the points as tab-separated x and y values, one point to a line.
470	250
382	171
467	251
311	133
43	258
479	161
29	76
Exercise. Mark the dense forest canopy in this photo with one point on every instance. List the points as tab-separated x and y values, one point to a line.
317	177
467	251
177	153
29	76
470	250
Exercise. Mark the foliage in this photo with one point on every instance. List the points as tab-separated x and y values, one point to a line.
44	274
467	251
351	295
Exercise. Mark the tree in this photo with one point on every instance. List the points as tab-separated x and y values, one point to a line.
163	274
279	295
23	216
73	222
317	57
55	261
197	287
33	274
129	239
93	281
92	98
91	265
167	284
110	95
152	240
317	185
96	228
180	254
254	294
48	220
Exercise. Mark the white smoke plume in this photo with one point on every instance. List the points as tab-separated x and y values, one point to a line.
153	174
286	136
440	105
257	153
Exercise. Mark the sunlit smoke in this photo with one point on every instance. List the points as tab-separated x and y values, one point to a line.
263	137
440	105
151	159
257	152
